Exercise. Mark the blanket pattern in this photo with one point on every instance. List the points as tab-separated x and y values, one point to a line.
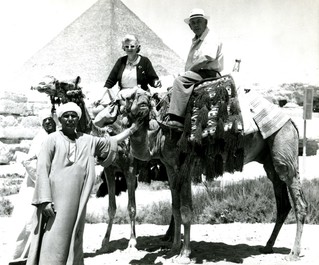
268	117
213	131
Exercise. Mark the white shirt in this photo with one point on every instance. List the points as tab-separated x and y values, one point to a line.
129	76
206	48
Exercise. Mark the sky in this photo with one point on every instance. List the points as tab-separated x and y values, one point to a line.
277	41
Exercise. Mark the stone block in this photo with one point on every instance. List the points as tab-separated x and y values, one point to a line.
16	97
14	108
8	120
18	132
4	154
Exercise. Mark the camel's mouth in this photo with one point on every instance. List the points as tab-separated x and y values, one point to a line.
143	106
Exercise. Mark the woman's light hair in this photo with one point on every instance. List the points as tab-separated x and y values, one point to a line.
130	37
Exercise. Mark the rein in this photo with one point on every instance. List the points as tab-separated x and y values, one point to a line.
165	95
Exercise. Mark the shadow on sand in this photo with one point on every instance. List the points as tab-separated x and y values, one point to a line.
202	251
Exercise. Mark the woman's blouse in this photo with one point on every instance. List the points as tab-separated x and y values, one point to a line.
145	74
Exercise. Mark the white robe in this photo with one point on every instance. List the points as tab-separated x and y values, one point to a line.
23	211
67	183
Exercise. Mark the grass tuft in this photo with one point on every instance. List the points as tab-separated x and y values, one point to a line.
248	201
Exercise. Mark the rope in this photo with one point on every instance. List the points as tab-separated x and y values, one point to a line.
166	94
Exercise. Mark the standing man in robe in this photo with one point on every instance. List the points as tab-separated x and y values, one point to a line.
65	178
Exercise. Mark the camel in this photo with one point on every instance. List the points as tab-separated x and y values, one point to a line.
279	155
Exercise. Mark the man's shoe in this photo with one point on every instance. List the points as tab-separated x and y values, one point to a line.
174	124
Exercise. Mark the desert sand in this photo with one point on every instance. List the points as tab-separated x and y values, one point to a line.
211	244
235	243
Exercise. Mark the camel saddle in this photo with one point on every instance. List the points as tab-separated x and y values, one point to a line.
213	109
218	117
219	100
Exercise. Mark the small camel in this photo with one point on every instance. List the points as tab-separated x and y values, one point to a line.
135	108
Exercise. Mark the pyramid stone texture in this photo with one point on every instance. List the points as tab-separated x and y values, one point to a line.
90	46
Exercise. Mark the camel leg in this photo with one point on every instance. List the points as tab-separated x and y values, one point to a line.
169	235
176	214
284	151
131	207
110	180
300	206
282	204
186	214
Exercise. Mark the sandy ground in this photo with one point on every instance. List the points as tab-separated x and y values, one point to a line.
211	244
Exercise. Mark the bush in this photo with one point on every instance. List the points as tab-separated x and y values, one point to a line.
6	207
154	185
249	201
311	190
158	213
11	184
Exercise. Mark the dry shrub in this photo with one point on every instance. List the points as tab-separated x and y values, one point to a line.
311	190
10	184
156	213
250	201
6	207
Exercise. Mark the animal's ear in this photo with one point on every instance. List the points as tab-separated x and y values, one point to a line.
77	81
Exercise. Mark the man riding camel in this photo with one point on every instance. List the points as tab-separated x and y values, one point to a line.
205	59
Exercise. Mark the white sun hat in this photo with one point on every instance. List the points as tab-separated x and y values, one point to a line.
196	12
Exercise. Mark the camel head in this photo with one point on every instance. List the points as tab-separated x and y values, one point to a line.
137	106
63	91
46	85
60	91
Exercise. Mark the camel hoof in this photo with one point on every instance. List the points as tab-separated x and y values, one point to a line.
132	244
177	259
103	249
131	250
181	260
266	250
292	257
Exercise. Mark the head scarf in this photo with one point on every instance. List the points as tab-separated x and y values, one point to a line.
70	106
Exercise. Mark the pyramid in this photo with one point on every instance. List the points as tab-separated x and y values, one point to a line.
90	46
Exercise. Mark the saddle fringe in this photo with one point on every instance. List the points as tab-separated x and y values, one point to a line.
213	107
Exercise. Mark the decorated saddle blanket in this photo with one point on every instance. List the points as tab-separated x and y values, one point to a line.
213	109
248	112
213	129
